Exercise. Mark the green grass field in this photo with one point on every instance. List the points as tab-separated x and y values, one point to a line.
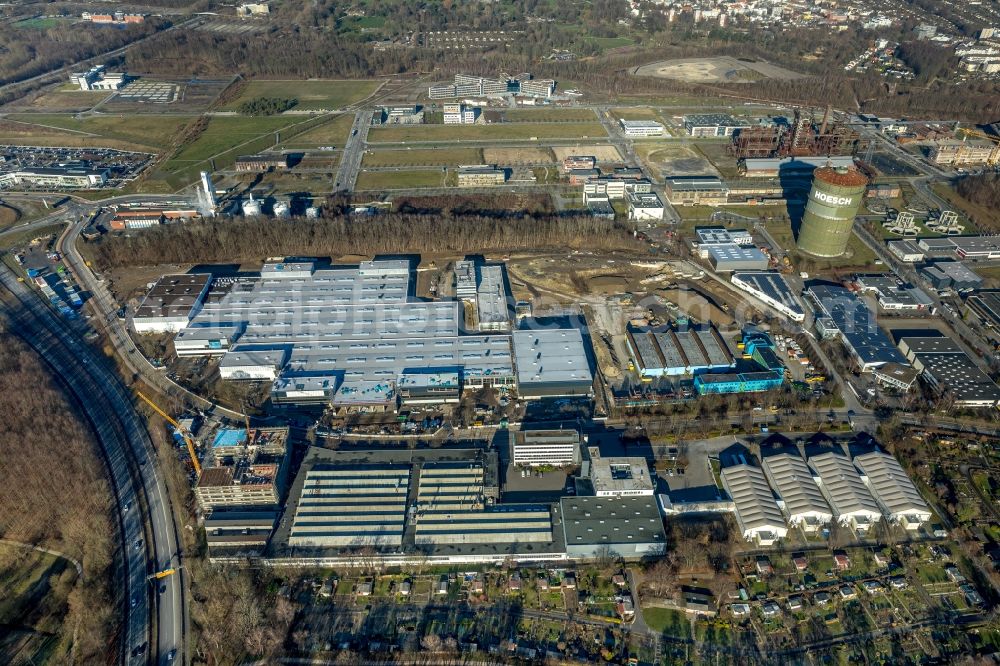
667	621
334	132
548	115
497	132
422	157
152	131
312	95
40	23
400	180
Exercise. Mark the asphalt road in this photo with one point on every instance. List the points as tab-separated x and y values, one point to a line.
354	151
138	487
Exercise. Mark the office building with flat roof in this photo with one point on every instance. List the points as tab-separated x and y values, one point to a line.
534	448
642	128
894	294
481	175
850	499
628	527
713	124
619	476
799	496
757	513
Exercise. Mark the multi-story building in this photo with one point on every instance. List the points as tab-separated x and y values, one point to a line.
538	87
459	114
712	125
961	153
249	469
644	206
399	115
619	476
545	447
71	178
481	175
574	162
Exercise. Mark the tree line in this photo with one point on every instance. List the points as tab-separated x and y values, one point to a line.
983	189
236	239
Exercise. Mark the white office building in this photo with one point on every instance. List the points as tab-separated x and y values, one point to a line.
534	448
642	128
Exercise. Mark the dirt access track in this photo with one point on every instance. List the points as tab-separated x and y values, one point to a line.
722	69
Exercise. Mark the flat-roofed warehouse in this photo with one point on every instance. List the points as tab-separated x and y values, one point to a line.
757	512
945	366
551	362
239	532
772	289
351	505
630	527
545	447
799	496
986	304
852	503
893	490
171	303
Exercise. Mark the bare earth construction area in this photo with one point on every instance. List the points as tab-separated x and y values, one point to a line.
722	69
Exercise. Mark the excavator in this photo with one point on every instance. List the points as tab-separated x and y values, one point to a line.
185	435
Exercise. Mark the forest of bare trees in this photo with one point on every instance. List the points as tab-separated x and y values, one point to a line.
983	189
28	52
53	491
234	240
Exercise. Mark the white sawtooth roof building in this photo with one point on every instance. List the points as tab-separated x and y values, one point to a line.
842	486
892	488
757	512
799	496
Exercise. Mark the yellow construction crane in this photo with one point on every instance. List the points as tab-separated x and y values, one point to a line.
186	436
994	157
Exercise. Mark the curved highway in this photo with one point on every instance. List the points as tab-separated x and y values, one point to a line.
148	535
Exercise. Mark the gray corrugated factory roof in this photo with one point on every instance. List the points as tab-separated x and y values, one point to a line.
551	355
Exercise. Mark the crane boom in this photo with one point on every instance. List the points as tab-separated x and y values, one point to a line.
173	422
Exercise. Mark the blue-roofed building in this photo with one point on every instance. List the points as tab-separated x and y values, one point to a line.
764	372
868	344
738	382
227	437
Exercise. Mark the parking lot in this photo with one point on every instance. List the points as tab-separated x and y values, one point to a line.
122	166
154	92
